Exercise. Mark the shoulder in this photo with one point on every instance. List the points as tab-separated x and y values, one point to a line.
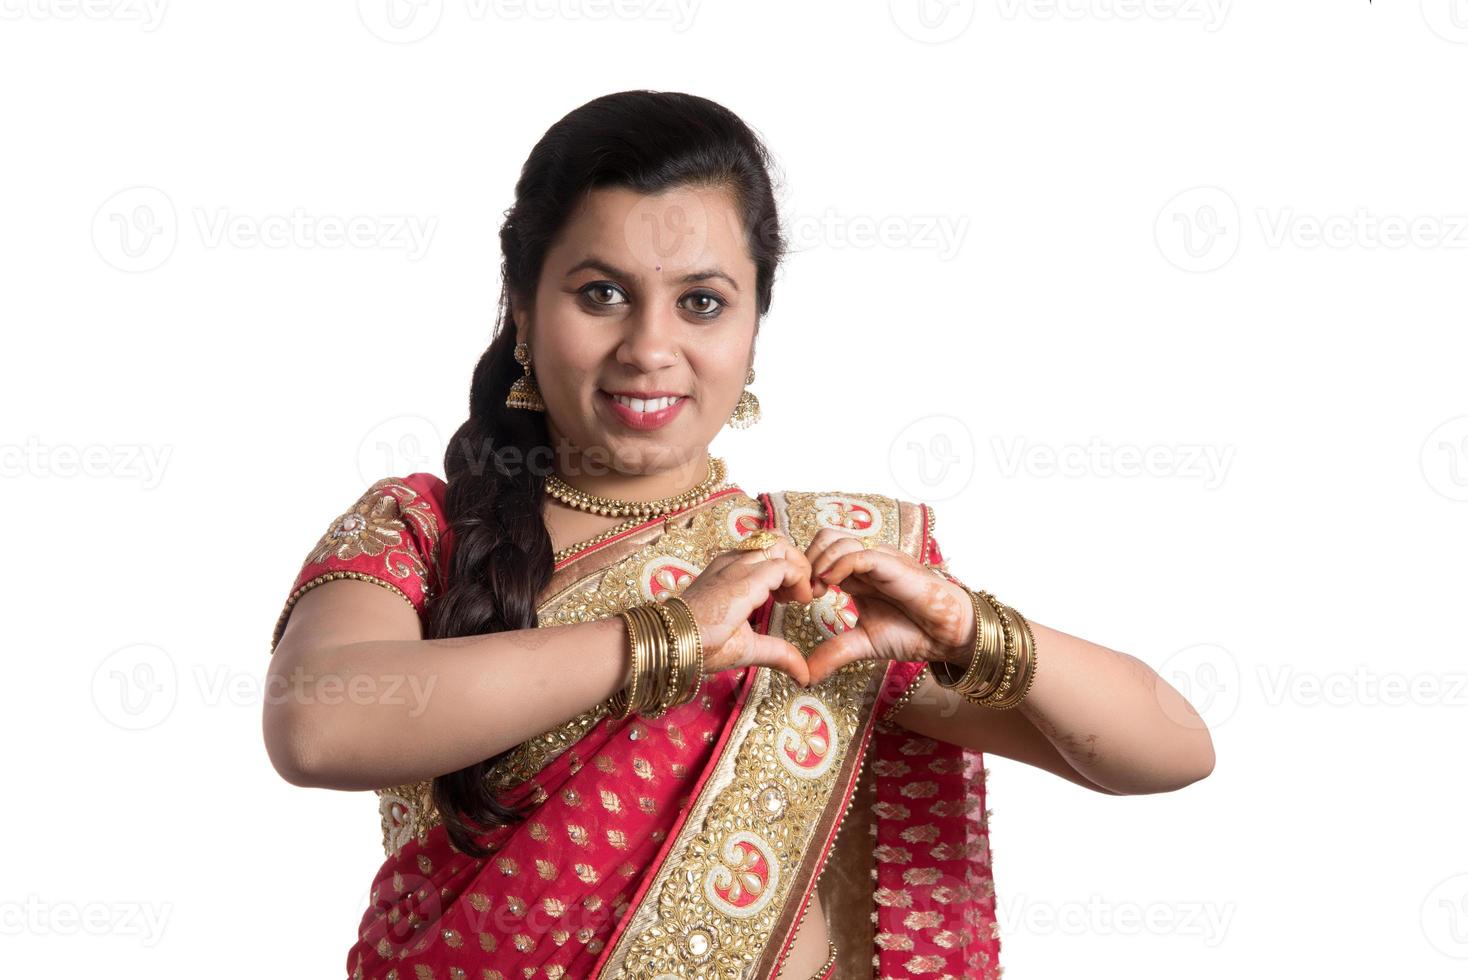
906	524
392	534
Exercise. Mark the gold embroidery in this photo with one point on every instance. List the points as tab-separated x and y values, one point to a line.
377	524
724	876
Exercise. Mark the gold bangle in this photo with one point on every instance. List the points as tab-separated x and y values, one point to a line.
1030	656
690	680
1004	671
979	676
673	668
620	704
659	647
943	671
1011	654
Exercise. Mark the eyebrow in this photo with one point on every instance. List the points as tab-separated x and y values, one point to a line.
592	262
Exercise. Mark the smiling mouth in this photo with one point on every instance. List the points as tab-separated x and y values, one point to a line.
645	405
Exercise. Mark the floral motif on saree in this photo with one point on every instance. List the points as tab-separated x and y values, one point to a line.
688	845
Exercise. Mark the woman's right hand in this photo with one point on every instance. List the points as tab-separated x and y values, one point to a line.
730	588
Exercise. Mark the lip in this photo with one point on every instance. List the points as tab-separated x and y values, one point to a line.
642	420
646	394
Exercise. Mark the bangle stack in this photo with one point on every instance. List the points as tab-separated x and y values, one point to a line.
1002	665
667	659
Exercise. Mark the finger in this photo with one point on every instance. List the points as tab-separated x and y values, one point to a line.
820	546
796	586
772	651
831	655
785	579
850	545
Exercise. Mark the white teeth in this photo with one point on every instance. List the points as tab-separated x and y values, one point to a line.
648	405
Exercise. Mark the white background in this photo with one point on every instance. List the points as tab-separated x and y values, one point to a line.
1036	242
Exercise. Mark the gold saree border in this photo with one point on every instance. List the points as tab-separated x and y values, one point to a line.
704	909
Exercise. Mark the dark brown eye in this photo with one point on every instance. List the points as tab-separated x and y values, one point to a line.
602	294
707	304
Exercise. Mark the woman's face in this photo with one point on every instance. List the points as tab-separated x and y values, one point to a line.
643	299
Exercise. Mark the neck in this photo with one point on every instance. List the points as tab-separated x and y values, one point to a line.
601	479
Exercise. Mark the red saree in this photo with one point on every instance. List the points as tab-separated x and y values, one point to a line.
689	845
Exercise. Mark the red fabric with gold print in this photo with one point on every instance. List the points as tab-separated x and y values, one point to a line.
558	889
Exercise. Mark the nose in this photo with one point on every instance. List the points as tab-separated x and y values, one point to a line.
651	341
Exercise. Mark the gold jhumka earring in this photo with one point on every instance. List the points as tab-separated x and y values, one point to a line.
746	412
524	393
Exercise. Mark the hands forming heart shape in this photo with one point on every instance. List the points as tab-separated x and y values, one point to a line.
879	601
903	610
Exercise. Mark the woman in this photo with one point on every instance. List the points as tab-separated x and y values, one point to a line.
626	718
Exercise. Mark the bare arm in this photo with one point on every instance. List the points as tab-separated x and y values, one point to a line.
1098	717
356	699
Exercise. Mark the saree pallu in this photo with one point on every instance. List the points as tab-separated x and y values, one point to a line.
688	845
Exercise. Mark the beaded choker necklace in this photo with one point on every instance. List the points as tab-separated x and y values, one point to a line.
614	507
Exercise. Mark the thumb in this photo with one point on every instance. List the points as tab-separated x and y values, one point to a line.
835	653
772	651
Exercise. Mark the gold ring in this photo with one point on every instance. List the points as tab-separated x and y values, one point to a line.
759	541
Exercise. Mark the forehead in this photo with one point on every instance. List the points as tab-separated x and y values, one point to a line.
662	234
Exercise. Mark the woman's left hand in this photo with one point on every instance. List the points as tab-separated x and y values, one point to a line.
904	610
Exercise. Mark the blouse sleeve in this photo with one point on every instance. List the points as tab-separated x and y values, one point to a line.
389	537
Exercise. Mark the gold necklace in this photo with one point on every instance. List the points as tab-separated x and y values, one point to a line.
614	507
